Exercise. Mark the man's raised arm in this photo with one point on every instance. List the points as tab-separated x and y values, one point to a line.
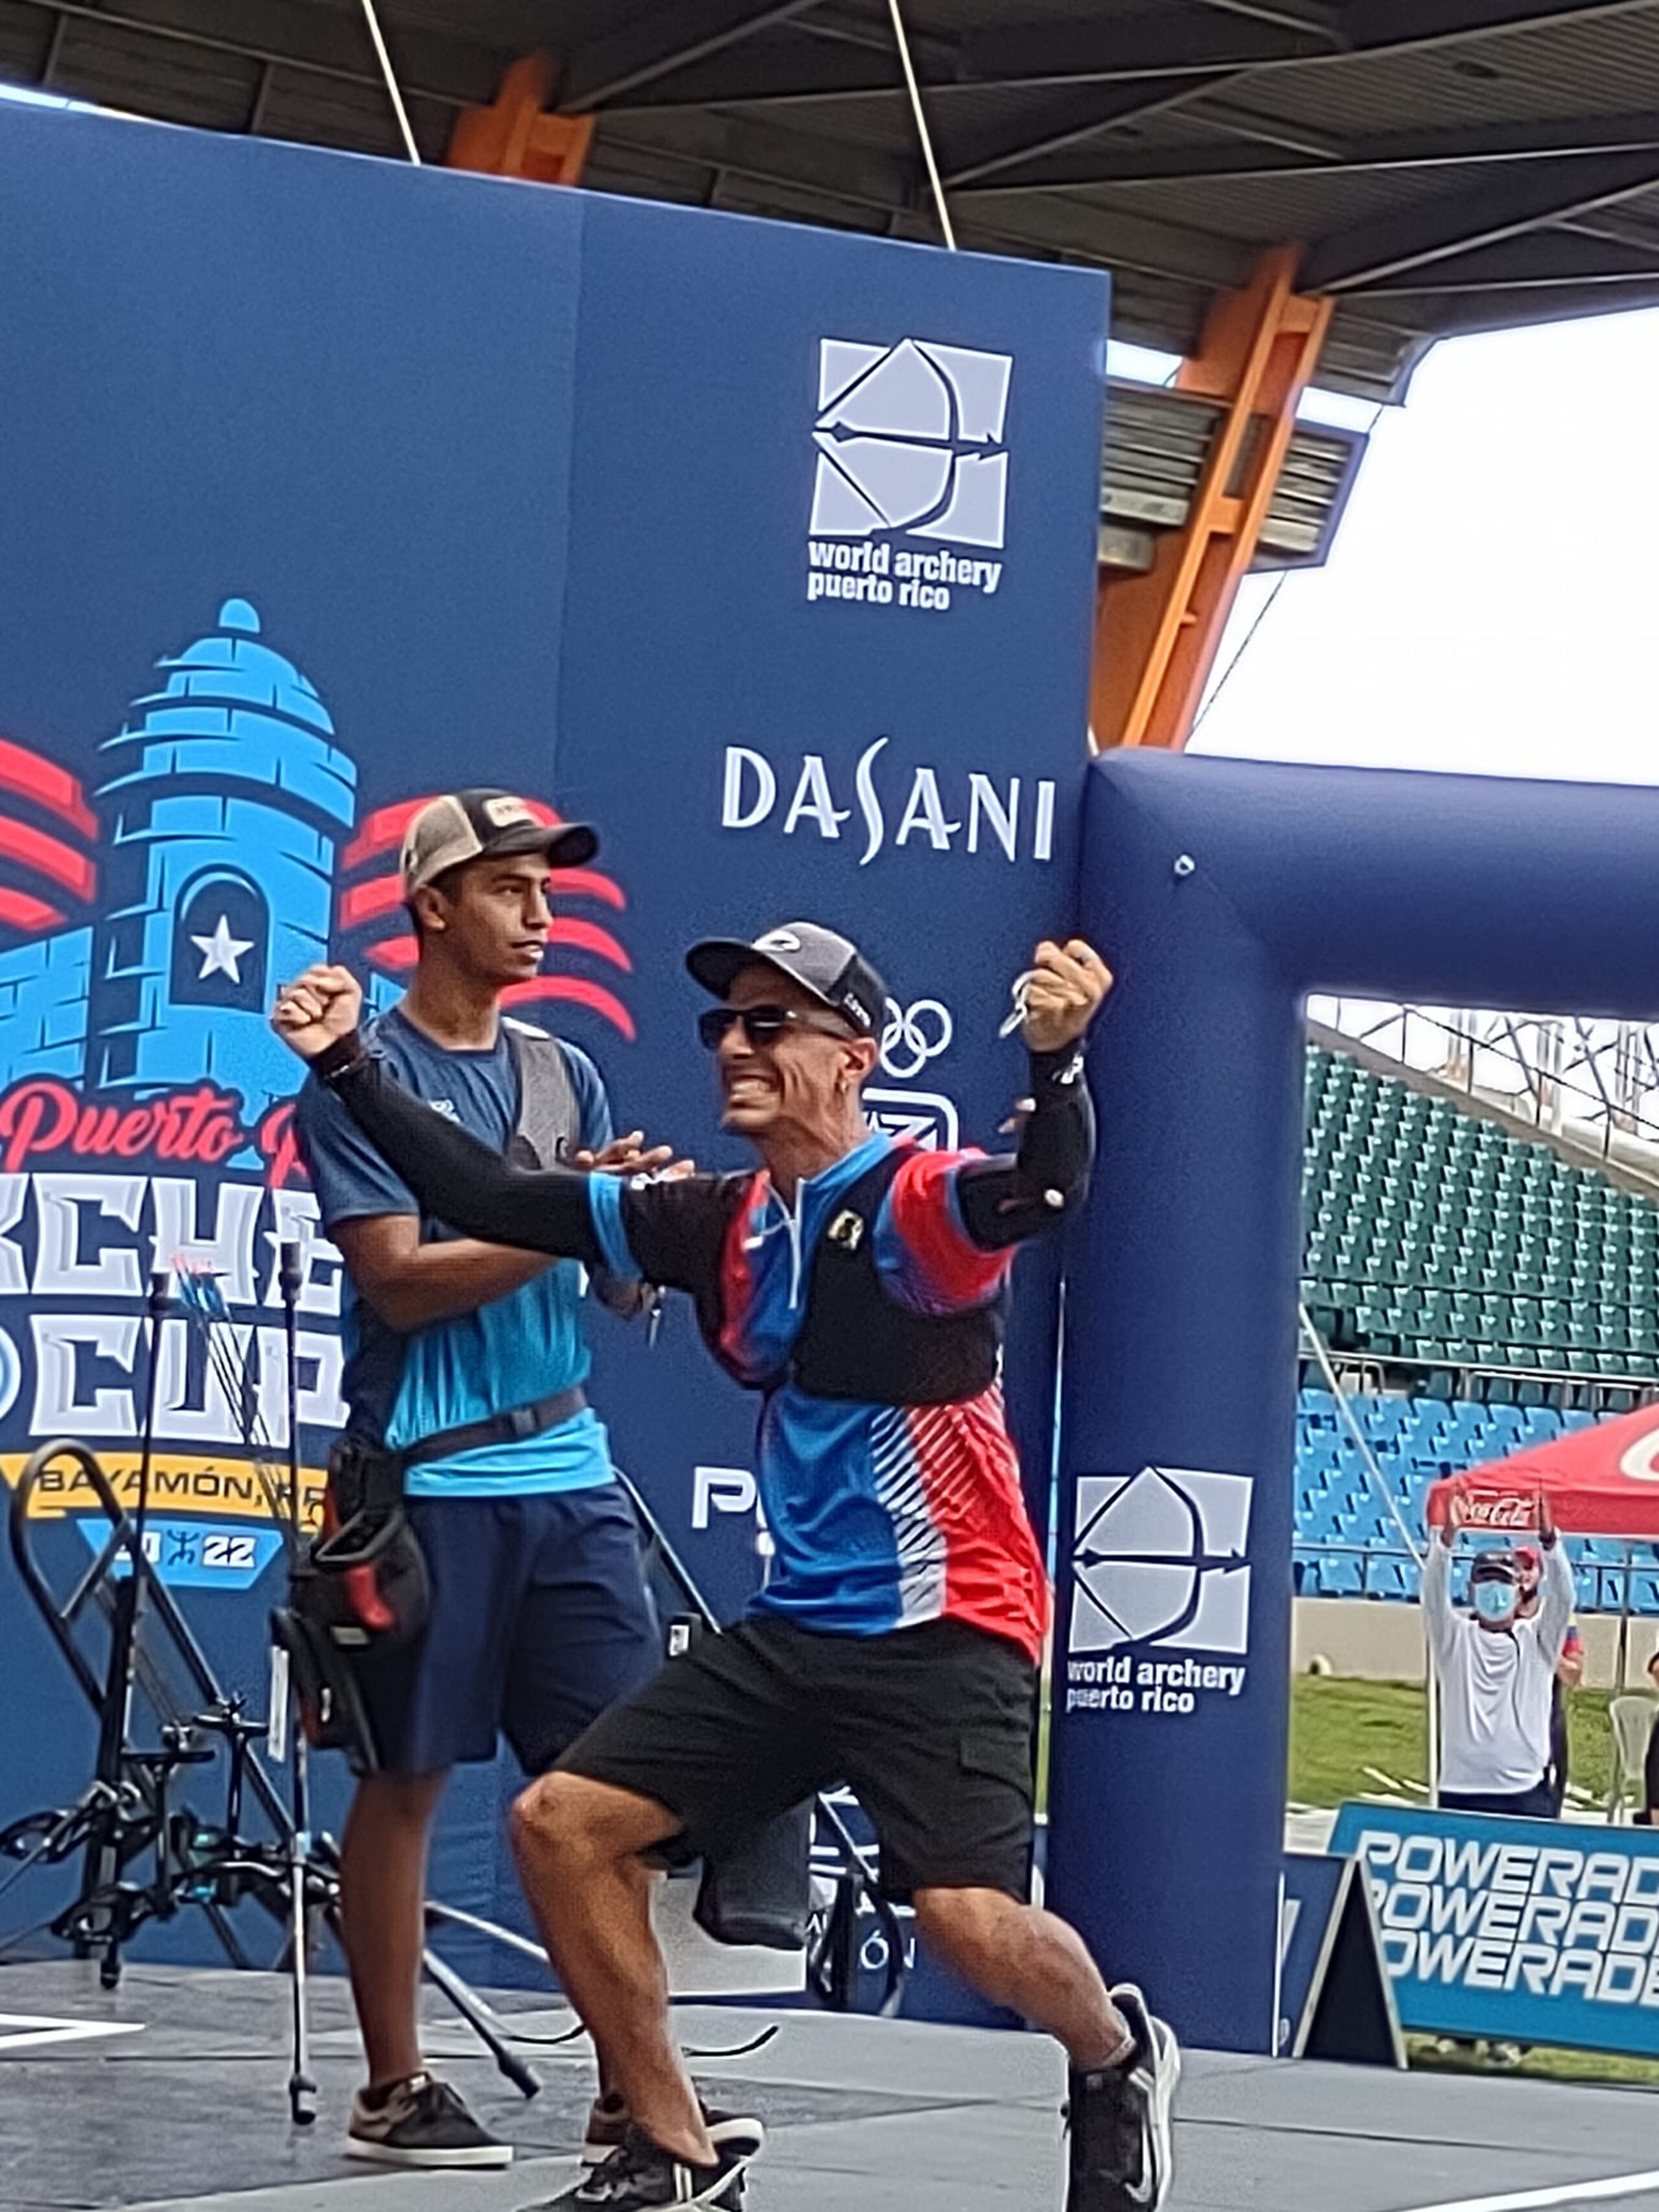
452	1174
1010	1197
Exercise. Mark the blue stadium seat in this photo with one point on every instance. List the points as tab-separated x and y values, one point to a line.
1415	1441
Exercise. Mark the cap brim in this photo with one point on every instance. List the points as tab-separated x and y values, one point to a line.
717	961
566	844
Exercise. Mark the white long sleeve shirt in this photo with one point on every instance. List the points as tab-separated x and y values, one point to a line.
1495	1683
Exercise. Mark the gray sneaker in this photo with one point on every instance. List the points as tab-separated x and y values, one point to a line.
421	2121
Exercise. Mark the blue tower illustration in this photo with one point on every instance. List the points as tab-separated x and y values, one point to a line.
226	800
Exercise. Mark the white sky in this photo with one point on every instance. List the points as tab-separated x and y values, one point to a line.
1490	602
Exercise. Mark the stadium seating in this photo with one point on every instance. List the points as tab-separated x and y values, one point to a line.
1435	1239
1348	1544
1457	1260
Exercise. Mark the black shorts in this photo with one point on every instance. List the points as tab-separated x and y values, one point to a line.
930	1727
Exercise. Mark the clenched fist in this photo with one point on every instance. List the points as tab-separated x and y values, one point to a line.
1063	988
325	1004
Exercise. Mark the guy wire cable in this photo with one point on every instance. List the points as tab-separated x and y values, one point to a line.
393	92
922	131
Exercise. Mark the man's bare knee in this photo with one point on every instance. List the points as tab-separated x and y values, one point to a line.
550	1821
568	1819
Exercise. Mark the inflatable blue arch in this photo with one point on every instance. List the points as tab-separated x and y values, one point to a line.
1224	892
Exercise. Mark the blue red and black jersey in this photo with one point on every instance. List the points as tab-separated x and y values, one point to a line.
868	1310
882	1514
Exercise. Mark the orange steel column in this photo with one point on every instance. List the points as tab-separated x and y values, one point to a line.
1156	635
515	137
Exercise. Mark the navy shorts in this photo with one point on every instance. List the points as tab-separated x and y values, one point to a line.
541	1617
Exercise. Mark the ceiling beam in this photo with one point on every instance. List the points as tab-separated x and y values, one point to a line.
969	157
1065	51
673	38
1508	310
771	153
1062	228
326	59
1153	48
1536	259
1290	15
1502	205
1076	166
1377	25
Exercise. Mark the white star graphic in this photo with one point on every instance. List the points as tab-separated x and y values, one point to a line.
221	953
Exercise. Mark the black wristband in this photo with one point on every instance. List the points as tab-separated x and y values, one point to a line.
339	1057
1051	1068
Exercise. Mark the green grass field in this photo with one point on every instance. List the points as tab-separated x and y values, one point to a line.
1339	1728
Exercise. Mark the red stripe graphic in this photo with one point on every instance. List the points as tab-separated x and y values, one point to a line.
363	902
47	856
19	911
588	937
393	953
47	784
580	992
383	831
577	882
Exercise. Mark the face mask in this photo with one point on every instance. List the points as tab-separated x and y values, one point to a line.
1495	1601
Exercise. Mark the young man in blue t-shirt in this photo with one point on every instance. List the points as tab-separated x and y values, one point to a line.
470	1360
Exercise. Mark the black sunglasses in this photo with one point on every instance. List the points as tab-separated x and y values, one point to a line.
765	1025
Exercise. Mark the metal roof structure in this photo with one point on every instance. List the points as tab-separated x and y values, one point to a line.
1450	164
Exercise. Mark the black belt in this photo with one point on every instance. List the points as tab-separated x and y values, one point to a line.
511	1427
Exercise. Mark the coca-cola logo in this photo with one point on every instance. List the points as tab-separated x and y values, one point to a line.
1496	1512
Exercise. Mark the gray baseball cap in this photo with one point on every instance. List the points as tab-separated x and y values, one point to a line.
820	960
486	824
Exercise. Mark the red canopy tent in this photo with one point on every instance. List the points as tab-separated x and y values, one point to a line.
1601	1481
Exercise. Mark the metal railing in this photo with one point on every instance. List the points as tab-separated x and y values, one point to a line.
1365	1374
1594	1576
1595	1081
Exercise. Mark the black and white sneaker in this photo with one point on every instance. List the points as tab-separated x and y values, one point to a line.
639	2176
1121	2147
609	2120
420	2122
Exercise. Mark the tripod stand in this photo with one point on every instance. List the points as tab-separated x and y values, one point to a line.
127	1815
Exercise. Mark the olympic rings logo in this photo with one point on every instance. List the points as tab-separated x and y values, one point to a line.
913	1035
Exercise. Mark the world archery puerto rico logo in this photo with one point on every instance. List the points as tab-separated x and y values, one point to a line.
1159	1558
910	442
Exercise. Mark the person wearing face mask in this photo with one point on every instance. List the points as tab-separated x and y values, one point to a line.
1497	1669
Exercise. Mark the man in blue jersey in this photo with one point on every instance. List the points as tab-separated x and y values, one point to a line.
860	1286
468	1360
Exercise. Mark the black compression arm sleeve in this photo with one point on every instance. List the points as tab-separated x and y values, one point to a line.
1006	1200
456	1178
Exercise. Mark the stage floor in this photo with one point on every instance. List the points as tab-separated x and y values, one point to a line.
186	2111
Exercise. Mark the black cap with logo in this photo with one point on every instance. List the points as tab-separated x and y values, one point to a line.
1494	1567
820	960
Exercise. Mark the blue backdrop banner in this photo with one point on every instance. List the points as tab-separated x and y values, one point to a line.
1521	1929
332	485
